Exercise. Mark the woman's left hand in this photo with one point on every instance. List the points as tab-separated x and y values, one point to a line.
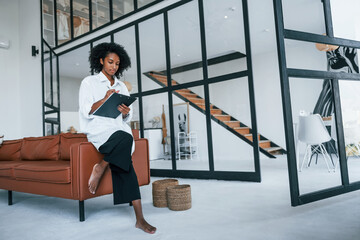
124	109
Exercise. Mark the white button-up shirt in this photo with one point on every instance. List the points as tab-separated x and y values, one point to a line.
98	129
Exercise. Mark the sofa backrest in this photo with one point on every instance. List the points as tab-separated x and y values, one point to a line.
66	140
40	148
54	147
10	150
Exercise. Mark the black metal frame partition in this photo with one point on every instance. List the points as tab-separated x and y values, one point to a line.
285	73
54	109
174	172
91	30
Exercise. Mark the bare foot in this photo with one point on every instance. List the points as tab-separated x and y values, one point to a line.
146	227
97	172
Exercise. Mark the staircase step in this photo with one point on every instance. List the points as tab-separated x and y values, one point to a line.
158	75
250	136
216	111
188	95
202	106
274	150
264	144
197	100
181	91
232	124
242	130
222	117
164	81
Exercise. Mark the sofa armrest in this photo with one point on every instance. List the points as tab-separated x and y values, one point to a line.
141	161
83	156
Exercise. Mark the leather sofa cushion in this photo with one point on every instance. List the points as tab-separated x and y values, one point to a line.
7	168
10	150
66	140
44	171
40	148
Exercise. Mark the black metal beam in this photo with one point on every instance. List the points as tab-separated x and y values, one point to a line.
170	99
340	133
302	73
211	61
286	103
251	90
328	18
220	175
315	38
327	193
204	59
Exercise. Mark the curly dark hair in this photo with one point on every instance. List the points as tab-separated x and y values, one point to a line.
101	50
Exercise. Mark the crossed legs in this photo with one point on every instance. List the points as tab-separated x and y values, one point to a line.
94	180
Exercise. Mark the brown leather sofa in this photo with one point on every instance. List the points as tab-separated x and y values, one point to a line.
60	166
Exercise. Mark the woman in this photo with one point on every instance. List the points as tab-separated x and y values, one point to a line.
112	137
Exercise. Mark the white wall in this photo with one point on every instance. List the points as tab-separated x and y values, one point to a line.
30	68
10	124
20	81
69	94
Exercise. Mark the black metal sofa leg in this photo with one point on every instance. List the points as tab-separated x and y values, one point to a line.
10	198
82	211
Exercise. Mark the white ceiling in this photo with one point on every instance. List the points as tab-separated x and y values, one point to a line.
224	32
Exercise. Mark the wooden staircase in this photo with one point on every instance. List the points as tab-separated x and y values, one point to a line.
233	125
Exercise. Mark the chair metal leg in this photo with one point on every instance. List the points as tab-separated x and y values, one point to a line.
10	198
305	156
82	211
325	155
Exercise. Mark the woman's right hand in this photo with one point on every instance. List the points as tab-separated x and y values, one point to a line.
109	92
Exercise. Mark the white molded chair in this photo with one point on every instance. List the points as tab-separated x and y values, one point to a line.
313	133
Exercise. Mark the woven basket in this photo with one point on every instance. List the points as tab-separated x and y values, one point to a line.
159	191
179	197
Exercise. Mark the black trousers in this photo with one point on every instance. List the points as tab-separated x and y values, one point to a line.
117	152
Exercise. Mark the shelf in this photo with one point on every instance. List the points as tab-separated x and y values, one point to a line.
187	145
48	15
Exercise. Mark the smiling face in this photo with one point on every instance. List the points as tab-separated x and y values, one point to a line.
110	64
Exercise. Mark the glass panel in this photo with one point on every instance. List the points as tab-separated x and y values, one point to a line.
48	22
155	110
350	107
310	12
322	57
126	38
122	7
346	19
100	12
152	50
73	68
142	3
80	17
47	76
63	21
225	41
231	126
315	150
48	129
56	129
102	40
185	43
190	129
55	81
